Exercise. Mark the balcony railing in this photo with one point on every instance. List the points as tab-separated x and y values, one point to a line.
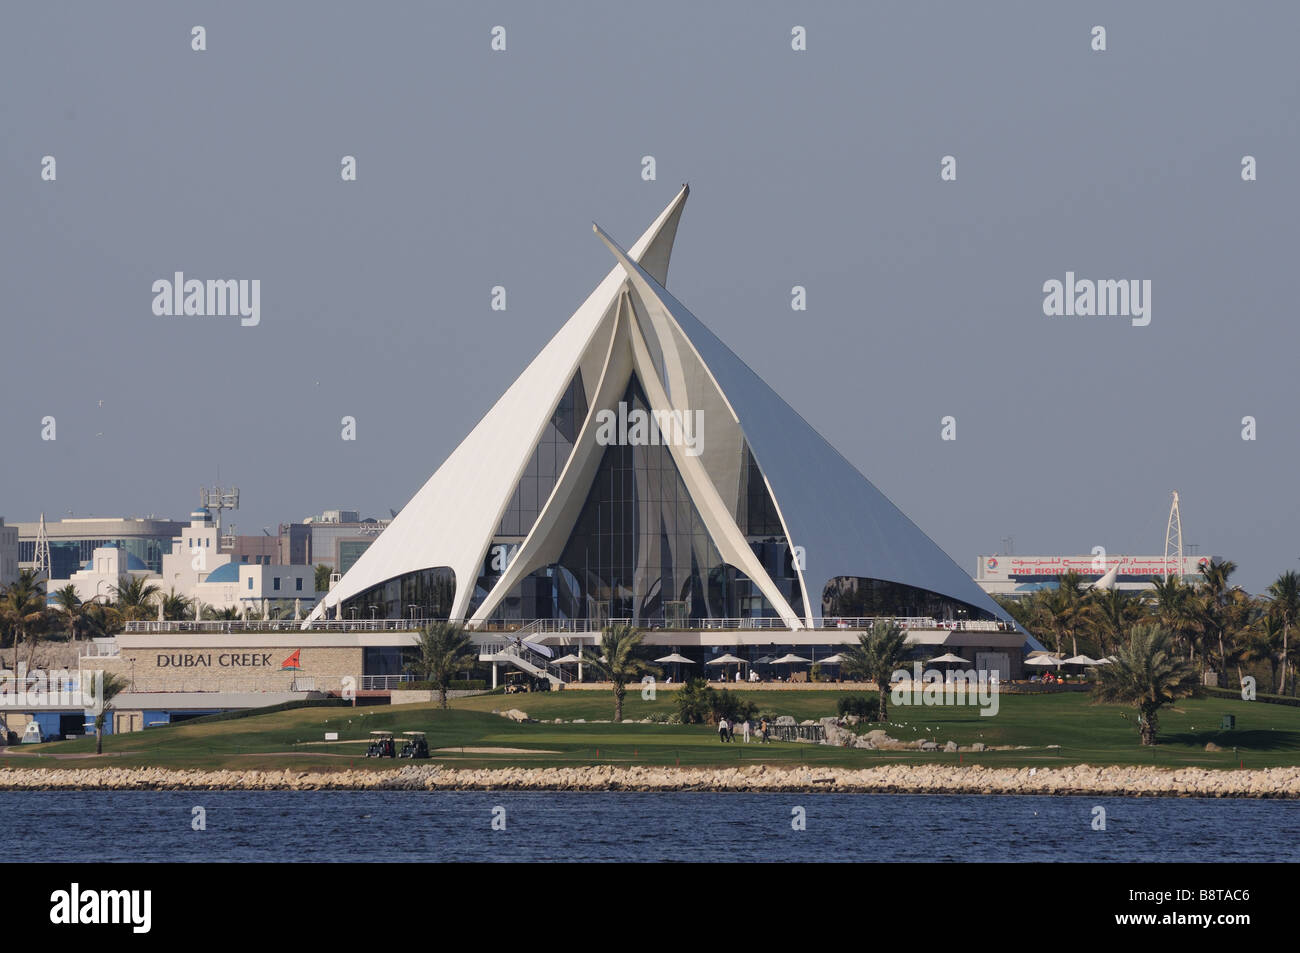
522	628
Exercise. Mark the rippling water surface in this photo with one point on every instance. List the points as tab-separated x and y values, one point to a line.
323	826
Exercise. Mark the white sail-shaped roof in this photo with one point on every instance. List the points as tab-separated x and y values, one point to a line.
451	520
632	332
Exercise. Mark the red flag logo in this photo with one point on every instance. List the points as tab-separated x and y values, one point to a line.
291	664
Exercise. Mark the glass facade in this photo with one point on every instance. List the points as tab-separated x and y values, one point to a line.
640	550
426	594
69	555
544	466
858	597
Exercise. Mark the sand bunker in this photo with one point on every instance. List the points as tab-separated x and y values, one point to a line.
493	751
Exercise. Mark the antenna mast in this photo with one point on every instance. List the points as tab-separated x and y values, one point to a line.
1174	540
42	552
216	500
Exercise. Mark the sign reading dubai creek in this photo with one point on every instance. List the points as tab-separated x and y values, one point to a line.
224	660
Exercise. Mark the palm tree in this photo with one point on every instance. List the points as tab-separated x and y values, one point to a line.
110	687
72	609
1148	674
23	609
878	654
621	661
1111	612
444	650
1170	603
102	618
1063	609
1285	606
1263	641
135	597
1215	604
175	606
323	573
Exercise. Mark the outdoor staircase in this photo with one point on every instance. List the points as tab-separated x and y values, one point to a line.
529	662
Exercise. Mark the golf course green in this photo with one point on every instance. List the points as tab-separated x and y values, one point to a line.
1048	730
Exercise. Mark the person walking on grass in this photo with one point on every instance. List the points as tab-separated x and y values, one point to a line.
744	730
722	730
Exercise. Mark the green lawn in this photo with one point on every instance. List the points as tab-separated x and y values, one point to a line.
1266	735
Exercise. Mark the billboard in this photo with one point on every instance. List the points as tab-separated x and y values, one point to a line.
993	568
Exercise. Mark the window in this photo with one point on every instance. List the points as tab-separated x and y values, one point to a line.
276	582
250	582
299	584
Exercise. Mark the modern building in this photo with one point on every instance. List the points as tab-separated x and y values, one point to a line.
73	541
259	588
8	553
1019	576
258	550
195	554
102	573
638	469
335	538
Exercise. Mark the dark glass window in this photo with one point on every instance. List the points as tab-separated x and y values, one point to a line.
857	596
426	594
548	459
638	550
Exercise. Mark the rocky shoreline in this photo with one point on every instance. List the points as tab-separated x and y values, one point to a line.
1124	781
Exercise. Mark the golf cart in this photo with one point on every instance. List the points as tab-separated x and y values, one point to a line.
416	746
381	745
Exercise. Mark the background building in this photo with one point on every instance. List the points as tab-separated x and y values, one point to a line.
1019	576
73	541
8	553
336	538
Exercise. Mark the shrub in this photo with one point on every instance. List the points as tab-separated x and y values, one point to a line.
698	702
863	706
456	685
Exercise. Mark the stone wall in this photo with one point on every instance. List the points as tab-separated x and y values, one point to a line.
231	668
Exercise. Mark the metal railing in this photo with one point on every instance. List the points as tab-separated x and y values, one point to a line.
529	661
383	683
523	627
100	648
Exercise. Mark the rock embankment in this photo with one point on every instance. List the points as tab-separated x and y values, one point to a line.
885	779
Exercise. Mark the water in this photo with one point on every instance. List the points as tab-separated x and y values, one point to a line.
358	826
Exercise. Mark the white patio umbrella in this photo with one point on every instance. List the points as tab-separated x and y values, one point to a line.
1044	660
835	659
569	659
790	659
1081	660
725	660
677	659
297	610
949	657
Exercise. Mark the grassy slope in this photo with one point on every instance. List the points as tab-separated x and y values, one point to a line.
1267	735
